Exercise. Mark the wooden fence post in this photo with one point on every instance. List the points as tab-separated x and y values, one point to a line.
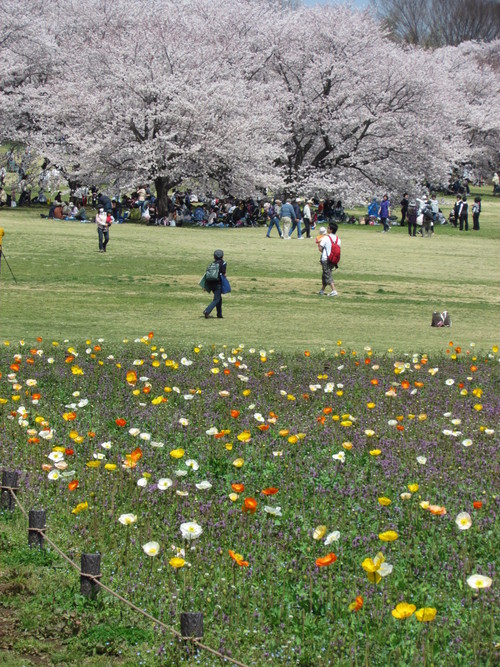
91	564
10	480
36	519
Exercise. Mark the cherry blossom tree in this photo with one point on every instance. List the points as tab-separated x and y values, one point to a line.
360	111
170	98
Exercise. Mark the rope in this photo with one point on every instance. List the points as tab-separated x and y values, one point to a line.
96	579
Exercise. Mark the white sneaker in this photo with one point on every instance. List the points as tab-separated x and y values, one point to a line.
334	293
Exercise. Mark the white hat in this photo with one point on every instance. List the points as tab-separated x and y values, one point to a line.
322	230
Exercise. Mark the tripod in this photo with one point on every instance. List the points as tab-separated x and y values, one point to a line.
2	254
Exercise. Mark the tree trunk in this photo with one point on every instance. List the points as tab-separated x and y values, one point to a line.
163	185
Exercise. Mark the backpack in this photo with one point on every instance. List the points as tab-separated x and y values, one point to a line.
212	272
334	256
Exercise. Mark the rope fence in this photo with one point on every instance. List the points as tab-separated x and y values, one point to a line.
90	577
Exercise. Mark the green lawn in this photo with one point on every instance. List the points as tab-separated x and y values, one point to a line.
388	285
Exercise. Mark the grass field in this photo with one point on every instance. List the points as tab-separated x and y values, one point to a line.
314	436
388	284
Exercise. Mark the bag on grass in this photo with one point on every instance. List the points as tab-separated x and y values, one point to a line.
334	256
212	272
441	319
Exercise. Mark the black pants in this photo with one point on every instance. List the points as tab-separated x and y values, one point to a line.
412	228
464	223
307	225
217	300
475	221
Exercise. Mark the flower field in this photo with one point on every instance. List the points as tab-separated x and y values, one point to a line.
333	507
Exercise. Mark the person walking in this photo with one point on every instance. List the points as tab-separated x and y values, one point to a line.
308	218
476	210
325	246
463	215
287	216
272	219
412	218
215	286
404	208
385	213
101	220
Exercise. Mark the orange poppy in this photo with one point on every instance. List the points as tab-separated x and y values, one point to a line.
69	452
273	415
473	369
39	339
97	348
367	361
263	427
238	559
477	504
437	510
326	560
419	384
136	454
150	335
14	367
400	427
219	435
235	413
269	374
146	390
69	359
121	422
91	434
321	420
226	371
374	382
405	384
73	485
33	441
327	411
250	505
36	397
357	604
458	350
239	488
307	353
30	361
270	491
131	377
237	364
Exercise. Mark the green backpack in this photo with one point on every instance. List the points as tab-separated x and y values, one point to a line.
212	272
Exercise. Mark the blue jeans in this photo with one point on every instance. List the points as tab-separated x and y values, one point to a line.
217	300
274	222
103	238
296	224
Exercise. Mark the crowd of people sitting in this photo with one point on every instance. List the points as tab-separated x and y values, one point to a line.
187	208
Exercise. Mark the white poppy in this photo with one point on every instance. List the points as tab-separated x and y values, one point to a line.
151	548
142	482
134	432
191	463
191	530
422	460
339	457
127	519
164	483
202	486
275	511
56	456
332	537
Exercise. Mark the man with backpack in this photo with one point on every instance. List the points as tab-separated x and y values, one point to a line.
213	277
329	247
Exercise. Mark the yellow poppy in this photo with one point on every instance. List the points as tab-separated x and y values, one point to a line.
388	536
426	614
403	610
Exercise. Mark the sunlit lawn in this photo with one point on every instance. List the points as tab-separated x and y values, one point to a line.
388	285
